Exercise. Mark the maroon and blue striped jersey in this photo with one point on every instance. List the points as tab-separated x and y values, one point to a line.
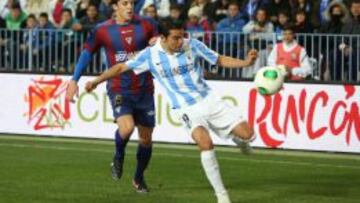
121	42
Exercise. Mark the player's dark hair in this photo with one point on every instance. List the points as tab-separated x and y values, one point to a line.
166	25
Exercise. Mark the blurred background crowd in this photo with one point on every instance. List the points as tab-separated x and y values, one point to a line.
236	23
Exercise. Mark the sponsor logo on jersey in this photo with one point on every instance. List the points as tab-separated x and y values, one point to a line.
122	56
178	70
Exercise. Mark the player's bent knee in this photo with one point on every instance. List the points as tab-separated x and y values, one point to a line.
244	131
202	138
145	140
126	132
249	133
126	125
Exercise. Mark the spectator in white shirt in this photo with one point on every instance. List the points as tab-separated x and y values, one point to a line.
261	27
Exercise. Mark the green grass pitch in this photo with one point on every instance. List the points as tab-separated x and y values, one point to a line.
46	170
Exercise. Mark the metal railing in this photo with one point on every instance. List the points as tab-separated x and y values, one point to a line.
43	51
332	57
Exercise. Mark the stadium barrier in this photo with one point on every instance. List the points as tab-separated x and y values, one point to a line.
333	57
320	117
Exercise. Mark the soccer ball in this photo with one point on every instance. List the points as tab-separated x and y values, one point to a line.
269	80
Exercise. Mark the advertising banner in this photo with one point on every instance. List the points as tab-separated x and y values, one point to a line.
301	116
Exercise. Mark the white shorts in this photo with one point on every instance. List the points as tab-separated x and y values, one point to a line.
212	113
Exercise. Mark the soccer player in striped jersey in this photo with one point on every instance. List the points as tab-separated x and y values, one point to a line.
173	61
131	95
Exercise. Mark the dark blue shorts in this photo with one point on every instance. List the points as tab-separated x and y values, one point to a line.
140	106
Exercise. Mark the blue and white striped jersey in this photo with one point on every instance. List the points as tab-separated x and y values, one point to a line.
180	74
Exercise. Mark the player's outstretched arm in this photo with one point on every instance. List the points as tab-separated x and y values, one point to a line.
229	62
73	88
112	72
93	44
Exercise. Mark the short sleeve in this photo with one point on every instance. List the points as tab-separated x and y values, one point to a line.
93	42
204	51
140	63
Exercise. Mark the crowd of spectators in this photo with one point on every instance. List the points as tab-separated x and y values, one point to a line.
254	18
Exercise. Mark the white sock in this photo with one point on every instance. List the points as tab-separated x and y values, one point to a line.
211	168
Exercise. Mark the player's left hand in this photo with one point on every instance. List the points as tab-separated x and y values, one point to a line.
284	70
72	90
251	57
90	86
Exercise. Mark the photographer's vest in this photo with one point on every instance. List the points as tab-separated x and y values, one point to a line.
289	58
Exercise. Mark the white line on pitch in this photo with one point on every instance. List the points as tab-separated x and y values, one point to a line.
298	163
262	151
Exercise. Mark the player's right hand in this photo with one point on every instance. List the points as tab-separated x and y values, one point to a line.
72	90
286	71
251	57
90	86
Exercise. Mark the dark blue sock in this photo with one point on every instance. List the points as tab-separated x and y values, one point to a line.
120	145
143	156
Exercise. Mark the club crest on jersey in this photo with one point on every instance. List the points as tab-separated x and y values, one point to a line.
128	40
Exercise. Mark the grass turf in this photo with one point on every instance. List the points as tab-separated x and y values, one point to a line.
44	170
